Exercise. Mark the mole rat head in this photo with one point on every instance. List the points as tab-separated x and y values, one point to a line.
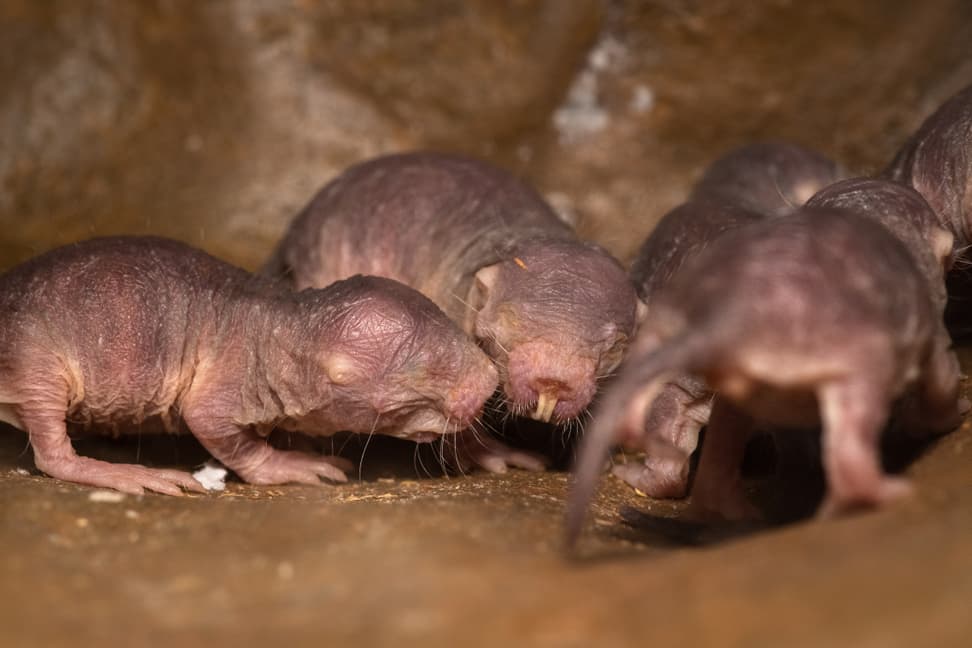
556	316
396	365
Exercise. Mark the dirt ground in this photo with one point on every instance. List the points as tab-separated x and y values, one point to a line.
215	122
397	559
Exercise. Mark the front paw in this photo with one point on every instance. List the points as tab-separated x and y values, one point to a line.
467	450
287	466
659	478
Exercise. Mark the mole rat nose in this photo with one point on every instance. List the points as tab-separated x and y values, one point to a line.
555	382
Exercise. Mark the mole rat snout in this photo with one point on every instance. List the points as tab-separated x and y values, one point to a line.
555	383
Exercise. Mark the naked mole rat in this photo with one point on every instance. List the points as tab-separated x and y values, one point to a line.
120	329
682	407
771	178
937	162
820	316
766	179
554	313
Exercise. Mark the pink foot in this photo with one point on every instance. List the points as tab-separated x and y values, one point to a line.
659	478
127	478
286	466
466	450
885	491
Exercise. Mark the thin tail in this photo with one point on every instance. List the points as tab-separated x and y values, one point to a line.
626	404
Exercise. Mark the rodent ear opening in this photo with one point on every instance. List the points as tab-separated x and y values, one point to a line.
486	277
641	311
483	282
942	245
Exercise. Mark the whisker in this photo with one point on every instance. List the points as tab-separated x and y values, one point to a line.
492	338
779	192
442	461
440	455
464	302
418	455
374	426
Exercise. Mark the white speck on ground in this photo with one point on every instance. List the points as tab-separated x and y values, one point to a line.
106	496
212	476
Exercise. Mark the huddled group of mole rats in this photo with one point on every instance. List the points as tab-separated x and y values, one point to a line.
413	287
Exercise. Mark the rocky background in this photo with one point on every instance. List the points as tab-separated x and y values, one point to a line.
214	122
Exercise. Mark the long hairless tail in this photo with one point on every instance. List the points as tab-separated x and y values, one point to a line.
625	405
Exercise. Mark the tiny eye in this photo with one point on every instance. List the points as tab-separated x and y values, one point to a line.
340	369
506	314
611	358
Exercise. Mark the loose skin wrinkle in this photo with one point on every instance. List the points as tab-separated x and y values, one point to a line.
129	328
823	316
553	312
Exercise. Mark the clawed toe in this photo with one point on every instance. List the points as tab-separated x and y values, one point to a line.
888	490
662	482
285	466
133	479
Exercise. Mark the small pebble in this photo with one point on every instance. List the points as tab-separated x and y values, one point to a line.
106	496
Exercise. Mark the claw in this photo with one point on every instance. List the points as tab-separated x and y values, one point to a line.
545	407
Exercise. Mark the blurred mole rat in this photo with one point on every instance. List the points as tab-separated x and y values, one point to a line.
766	179
937	162
683	405
555	313
771	178
820	316
117	330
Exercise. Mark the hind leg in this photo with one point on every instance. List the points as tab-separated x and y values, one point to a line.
718	488
54	455
854	415
939	407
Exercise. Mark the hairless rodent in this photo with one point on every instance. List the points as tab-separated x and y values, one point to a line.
682	407
110	332
820	316
555	313
771	178
766	179
937	162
